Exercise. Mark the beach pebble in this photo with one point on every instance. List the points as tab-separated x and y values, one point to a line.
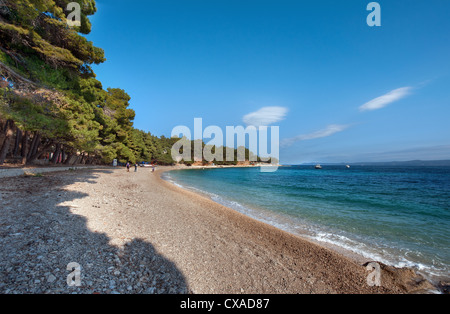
51	279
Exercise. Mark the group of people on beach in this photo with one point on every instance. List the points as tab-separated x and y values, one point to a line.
136	167
129	165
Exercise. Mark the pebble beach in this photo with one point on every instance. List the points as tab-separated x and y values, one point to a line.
132	232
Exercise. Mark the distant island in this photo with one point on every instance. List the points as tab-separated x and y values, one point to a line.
411	163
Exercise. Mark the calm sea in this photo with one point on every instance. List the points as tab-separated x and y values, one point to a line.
396	215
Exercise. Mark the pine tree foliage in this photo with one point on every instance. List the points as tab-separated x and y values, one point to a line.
50	99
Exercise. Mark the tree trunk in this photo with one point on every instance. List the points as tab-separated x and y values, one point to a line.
56	154
76	161
17	144
89	160
38	154
7	142
5	126
83	159
24	151
69	157
34	145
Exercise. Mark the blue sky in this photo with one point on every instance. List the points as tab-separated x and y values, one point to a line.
339	90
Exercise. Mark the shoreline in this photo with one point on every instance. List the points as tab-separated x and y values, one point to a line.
344	253
356	257
137	233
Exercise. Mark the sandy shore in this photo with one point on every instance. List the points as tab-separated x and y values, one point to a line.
135	233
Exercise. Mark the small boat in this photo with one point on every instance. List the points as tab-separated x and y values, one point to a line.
348	167
318	167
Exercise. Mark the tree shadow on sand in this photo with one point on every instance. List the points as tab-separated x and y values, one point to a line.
39	237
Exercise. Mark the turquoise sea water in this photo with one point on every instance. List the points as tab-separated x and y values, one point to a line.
396	215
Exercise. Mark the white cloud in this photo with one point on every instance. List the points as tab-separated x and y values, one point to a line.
328	131
387	99
265	116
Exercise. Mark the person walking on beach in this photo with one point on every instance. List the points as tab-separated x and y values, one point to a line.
128	167
135	167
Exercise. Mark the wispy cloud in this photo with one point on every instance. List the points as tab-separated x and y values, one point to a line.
387	99
328	131
265	116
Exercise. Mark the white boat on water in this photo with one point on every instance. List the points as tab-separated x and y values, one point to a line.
318	167
348	167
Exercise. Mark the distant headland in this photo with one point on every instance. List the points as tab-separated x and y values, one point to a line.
411	163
